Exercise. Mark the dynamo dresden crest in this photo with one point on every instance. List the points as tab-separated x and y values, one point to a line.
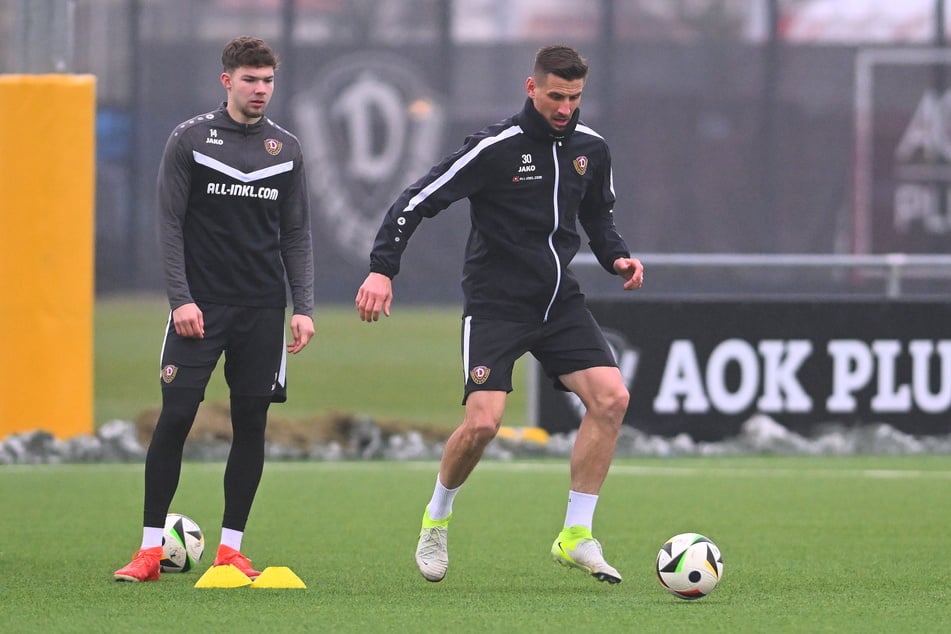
273	146
479	374
581	164
169	373
371	125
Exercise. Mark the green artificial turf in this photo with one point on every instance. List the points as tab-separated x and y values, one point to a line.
809	545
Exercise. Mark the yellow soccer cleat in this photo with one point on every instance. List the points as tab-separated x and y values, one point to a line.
576	548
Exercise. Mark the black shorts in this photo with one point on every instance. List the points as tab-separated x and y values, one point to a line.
252	340
564	344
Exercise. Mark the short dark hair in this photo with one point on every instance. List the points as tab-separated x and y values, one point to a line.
563	61
247	51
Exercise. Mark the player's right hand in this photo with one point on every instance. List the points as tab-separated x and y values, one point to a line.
374	296
189	321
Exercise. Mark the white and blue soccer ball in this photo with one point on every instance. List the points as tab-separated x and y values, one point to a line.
182	543
689	565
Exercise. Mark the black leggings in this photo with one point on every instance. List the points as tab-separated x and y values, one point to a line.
163	462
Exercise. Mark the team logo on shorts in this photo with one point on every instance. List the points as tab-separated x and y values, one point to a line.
479	374
169	372
581	164
273	146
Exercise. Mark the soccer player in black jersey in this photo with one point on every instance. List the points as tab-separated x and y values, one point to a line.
530	180
234	231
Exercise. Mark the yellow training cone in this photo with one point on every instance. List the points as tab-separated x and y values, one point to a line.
278	577
223	577
535	434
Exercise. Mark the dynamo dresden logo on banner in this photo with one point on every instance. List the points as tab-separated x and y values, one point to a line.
370	126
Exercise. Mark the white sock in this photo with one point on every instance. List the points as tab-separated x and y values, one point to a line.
151	536
580	509
440	506
231	537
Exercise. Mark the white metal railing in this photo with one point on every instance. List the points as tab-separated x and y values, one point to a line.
893	267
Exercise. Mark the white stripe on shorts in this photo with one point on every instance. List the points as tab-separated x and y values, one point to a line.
164	340
466	330
282	373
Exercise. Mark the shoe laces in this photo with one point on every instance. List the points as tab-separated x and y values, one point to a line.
237	559
588	550
142	560
433	541
144	555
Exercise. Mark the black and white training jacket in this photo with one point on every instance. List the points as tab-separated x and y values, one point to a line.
233	213
528	188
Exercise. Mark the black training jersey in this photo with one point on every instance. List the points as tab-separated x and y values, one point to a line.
233	214
528	188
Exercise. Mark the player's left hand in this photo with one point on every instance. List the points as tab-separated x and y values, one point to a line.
302	329
632	271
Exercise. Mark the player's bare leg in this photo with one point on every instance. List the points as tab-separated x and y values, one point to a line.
465	446
605	397
462	453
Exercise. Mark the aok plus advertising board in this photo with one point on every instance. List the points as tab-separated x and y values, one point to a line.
902	161
703	367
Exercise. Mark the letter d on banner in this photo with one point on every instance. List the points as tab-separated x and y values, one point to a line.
47	168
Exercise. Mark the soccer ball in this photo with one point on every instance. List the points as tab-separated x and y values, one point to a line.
182	543
689	565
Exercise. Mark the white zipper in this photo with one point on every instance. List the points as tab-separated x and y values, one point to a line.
551	236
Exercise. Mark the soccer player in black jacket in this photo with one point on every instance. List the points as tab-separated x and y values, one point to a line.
234	229
530	180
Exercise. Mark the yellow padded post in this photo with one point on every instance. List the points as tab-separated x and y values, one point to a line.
47	200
